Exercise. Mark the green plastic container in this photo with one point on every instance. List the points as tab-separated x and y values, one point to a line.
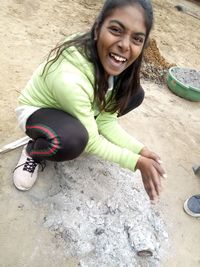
182	90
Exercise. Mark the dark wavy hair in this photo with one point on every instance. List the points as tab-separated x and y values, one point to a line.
127	83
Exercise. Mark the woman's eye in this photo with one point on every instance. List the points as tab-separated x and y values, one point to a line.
115	30
138	40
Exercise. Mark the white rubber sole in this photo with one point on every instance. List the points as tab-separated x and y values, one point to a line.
21	188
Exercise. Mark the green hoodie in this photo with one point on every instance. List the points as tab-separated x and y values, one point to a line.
68	86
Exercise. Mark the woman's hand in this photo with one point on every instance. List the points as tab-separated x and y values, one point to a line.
151	172
145	152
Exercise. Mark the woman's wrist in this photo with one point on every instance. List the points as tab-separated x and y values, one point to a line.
139	162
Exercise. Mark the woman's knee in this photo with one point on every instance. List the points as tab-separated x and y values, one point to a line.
135	101
72	146
140	95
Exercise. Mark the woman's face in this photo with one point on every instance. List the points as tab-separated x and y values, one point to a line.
121	38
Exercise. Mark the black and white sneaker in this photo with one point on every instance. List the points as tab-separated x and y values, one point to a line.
26	171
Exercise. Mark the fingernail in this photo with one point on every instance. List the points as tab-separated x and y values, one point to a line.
164	175
159	161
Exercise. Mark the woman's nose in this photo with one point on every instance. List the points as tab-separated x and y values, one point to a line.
124	43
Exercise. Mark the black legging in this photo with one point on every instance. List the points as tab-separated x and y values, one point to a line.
57	136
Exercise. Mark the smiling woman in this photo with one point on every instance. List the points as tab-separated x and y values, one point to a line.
73	99
120	39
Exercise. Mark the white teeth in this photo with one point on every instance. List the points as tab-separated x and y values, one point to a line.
118	58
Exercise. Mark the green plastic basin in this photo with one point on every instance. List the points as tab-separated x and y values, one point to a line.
177	87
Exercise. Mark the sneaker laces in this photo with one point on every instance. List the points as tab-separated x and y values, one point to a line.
31	164
42	164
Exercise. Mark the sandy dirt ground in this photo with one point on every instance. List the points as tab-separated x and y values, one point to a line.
165	122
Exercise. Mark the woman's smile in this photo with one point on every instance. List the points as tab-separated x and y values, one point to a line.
116	61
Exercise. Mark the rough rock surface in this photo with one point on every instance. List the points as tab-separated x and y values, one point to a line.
102	215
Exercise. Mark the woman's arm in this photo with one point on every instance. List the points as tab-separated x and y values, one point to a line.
109	127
